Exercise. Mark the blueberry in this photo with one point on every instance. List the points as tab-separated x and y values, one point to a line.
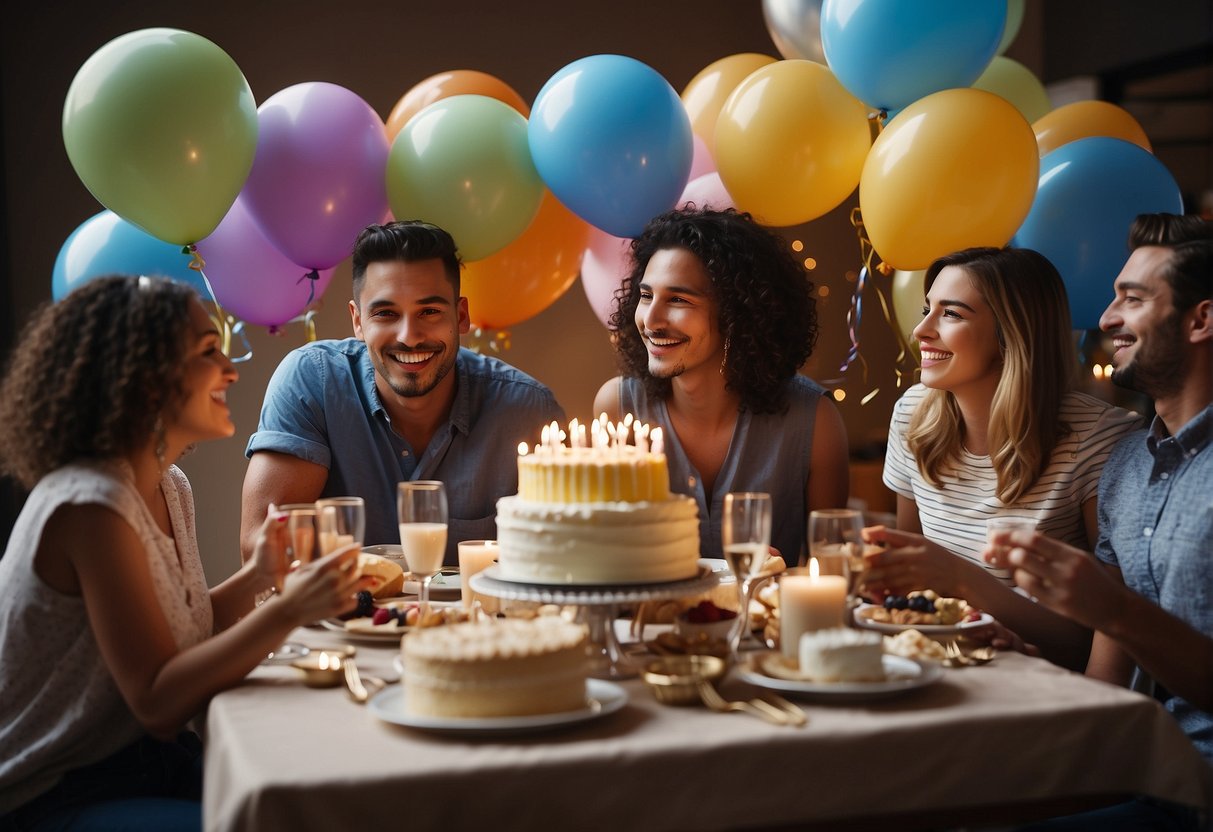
366	604
896	602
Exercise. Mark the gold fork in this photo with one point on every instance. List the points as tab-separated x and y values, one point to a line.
354	684
954	656
712	698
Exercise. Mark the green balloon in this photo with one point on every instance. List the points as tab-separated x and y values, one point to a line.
161	126
464	163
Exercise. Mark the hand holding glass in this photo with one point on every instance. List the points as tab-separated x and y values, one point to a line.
745	536
423	528
340	521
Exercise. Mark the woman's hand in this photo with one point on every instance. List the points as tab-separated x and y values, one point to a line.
269	558
908	562
324	588
1001	638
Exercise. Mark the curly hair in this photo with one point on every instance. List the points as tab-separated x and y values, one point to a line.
407	241
92	373
768	315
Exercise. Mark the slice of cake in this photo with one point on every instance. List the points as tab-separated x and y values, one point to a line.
596	512
509	667
842	654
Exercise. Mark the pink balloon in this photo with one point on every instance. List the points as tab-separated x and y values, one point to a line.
318	178
707	191
251	279
701	159
603	268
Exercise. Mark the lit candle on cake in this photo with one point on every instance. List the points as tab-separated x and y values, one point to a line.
808	602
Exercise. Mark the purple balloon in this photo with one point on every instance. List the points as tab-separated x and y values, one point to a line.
319	175
253	280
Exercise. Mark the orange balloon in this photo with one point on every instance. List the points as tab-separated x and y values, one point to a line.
529	274
446	84
704	96
1084	119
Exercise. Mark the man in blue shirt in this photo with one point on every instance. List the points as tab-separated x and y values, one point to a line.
399	401
1150	601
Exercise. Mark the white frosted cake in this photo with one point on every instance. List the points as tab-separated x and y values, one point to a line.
509	667
842	654
598	514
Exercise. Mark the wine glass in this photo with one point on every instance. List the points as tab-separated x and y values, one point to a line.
340	521
836	541
745	536
423	525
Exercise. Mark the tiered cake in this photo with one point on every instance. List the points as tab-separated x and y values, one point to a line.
511	667
597	511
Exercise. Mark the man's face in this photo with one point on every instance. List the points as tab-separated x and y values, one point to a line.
1145	327
677	315
411	321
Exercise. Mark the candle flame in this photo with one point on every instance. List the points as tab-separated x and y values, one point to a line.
522	449
814	569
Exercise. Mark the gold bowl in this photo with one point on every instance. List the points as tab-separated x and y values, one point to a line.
674	680
323	668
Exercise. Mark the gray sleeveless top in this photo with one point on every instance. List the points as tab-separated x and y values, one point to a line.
59	705
769	452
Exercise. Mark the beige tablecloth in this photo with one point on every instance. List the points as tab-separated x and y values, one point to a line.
283	756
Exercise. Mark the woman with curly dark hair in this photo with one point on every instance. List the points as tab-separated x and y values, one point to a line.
103	588
712	324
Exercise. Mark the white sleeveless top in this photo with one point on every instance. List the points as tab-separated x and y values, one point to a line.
59	706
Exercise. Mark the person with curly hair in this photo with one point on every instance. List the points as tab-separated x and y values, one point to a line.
995	428
103	588
712	324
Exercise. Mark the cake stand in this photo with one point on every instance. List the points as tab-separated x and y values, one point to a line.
599	605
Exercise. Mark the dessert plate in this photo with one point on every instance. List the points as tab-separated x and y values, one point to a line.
443	587
366	633
767	671
925	629
602	698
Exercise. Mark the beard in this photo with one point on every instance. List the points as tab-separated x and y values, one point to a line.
413	385
1160	366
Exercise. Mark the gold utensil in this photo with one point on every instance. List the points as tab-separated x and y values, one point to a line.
954	656
712	698
981	655
795	716
356	687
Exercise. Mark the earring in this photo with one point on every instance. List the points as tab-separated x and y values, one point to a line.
161	446
725	359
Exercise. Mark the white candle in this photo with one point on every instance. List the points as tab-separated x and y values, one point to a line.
808	602
475	556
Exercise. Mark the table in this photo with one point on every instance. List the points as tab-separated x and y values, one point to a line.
1018	734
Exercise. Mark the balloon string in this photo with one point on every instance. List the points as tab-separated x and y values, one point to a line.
479	338
225	323
311	277
903	346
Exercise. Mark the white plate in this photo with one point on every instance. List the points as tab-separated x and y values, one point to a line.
602	698
378	635
443	587
903	675
925	629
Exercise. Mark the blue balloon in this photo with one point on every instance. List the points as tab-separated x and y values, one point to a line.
107	244
890	53
611	139
1090	191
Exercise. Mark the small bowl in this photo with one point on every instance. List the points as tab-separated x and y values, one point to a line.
709	630
323	668
674	680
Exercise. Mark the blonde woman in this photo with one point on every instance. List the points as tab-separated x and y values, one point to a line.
994	428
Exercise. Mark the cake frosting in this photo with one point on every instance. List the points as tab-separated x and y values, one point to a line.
596	514
507	667
842	654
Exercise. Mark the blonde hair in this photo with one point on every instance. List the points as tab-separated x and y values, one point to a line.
1032	317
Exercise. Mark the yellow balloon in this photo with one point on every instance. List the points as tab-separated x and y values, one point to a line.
954	169
1016	83
790	142
531	273
1083	119
908	291
706	93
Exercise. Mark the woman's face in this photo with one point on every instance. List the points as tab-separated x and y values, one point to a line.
204	414
958	336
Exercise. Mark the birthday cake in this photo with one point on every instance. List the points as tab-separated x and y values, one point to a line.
597	511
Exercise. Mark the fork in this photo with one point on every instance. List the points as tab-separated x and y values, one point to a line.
712	698
354	684
954	656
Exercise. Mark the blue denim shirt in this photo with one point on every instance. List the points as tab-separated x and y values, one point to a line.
1156	525
322	406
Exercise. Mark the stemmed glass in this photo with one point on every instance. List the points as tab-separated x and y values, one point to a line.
745	536
836	541
340	521
423	525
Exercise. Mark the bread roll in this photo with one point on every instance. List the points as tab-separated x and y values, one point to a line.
389	574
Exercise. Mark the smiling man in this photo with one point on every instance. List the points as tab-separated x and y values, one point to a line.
399	401
713	323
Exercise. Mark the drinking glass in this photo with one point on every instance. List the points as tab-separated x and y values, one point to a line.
302	539
745	536
340	521
836	541
1008	523
423	524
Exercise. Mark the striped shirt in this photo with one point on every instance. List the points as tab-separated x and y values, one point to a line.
954	514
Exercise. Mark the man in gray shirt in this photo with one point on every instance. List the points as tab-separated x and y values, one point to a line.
399	401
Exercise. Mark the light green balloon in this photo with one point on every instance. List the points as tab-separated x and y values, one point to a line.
1016	83
161	126
1014	21
464	164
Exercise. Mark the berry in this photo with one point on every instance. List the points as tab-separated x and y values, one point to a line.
896	602
382	616
705	612
921	603
366	603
